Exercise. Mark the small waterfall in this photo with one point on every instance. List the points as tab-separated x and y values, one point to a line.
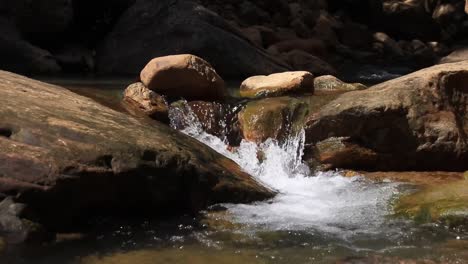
325	201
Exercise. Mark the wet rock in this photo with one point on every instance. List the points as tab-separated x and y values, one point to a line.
276	118
69	158
16	229
192	29
277	84
142	99
416	122
303	61
329	83
211	117
185	75
447	203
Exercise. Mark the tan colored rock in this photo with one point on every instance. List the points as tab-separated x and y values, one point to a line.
185	75
146	101
66	157
456	56
329	83
466	6
415	122
277	84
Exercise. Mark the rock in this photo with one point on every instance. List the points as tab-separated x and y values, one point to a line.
355	35
414	15
211	117
329	83
389	45
254	35
15	228
185	75
20	56
313	46
75	58
466	6
460	54
69	158
446	202
277	118
303	61
140	98
277	84
416	122
192	29
41	16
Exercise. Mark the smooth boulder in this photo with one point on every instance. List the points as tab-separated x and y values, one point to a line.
184	75
68	158
415	122
277	84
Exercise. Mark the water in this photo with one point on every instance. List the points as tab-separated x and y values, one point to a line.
317	217
324	201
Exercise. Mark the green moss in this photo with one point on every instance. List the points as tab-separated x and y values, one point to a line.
448	203
272	118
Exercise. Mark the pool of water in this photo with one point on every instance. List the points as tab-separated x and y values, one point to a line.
317	217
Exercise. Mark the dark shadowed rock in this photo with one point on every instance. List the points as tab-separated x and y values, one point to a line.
416	122
152	29
19	55
67	157
303	61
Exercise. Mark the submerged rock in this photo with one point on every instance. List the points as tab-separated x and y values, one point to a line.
142	99
277	84
276	118
416	122
328	83
67	158
185	75
445	202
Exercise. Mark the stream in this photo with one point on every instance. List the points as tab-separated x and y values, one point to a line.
317	217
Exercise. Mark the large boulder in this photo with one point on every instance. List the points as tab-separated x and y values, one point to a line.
277	84
152	29
416	122
184	75
67	157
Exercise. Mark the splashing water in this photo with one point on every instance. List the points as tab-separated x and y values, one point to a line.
323	201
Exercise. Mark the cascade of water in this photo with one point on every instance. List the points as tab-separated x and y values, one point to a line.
324	201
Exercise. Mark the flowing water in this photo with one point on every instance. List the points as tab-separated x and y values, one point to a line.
317	217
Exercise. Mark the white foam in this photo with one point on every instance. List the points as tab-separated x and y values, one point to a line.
324	201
